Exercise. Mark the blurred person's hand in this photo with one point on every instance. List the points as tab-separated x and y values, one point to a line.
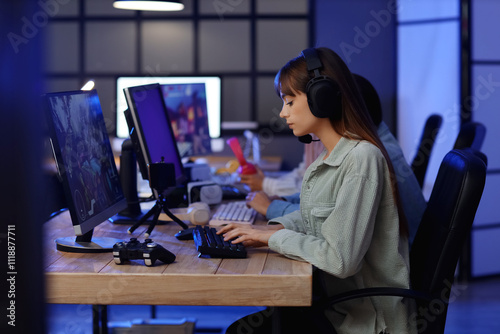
260	201
254	181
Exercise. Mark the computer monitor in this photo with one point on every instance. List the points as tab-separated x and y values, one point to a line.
212	92
151	130
187	109
86	167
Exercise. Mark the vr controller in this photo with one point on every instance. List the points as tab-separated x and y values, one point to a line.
148	250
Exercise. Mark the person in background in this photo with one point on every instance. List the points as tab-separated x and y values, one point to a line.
287	184
350	226
412	198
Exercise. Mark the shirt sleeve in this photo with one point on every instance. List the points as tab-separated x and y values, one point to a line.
291	221
295	198
345	233
287	184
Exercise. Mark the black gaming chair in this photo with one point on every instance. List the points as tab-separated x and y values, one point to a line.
443	230
471	135
421	160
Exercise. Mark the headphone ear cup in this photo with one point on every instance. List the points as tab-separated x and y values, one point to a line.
324	97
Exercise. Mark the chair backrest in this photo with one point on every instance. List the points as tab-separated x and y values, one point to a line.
444	227
471	135
421	160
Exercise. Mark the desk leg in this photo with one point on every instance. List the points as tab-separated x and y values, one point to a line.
275	319
100	319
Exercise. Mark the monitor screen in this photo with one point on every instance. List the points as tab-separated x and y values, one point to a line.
152	129
84	159
187	108
212	92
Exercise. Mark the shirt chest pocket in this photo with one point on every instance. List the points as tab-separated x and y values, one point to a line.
319	213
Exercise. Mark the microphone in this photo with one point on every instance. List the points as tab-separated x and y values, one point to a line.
307	139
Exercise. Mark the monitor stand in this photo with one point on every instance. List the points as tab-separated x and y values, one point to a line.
125	218
128	177
86	244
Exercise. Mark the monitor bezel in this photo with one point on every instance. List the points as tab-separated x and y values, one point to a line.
214	131
80	227
139	131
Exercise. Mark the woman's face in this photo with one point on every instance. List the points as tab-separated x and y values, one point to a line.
297	114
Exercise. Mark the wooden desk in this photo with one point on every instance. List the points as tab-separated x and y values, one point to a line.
264	278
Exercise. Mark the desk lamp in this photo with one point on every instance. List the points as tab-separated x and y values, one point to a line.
89	85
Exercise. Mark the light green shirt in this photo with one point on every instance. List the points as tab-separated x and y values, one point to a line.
348	227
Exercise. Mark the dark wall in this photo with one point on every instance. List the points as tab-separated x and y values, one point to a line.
485	99
362	32
22	284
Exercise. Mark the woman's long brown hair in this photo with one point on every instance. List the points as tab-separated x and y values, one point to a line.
355	122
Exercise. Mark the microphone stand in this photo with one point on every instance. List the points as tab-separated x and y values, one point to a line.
161	205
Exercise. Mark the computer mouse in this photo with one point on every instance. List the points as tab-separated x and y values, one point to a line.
186	234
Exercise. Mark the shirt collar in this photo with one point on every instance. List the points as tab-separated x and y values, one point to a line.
340	151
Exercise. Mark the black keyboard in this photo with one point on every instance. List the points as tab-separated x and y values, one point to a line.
209	243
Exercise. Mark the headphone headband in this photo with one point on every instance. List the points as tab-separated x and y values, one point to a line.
312	59
323	93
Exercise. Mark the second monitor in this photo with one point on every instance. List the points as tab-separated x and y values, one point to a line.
212	94
188	112
151	129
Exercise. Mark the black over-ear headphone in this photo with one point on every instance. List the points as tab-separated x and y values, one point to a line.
323	93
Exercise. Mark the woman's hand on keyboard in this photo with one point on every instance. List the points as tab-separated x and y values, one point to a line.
247	234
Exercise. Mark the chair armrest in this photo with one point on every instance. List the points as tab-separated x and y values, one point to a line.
369	292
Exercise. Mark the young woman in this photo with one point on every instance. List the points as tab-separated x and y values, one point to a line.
350	226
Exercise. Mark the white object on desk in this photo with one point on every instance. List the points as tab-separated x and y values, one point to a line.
197	213
204	191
